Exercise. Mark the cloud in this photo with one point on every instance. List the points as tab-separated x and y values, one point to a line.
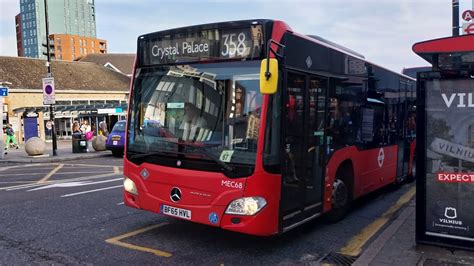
8	10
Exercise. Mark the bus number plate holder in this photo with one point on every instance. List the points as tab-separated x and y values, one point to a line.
176	212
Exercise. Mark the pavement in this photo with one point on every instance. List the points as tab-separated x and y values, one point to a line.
64	153
396	245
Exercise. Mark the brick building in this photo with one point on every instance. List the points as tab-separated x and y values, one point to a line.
70	47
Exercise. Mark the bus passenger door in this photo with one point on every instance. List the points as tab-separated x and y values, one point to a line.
315	144
303	139
293	159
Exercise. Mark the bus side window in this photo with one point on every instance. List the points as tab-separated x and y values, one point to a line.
374	133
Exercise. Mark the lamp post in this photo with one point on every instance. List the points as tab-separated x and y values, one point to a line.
51	107
455	4
2	143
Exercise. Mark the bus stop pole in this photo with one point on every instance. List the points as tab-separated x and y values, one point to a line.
51	107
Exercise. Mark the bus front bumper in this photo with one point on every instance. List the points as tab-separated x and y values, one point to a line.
258	224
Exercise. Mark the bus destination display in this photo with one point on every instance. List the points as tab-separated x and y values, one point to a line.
216	44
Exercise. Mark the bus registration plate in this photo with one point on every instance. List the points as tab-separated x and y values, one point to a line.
176	212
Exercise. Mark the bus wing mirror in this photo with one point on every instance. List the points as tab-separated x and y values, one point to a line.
269	76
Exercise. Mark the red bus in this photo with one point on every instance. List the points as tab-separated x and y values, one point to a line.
251	127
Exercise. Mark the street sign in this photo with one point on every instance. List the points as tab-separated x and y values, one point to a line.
48	91
468	28
468	15
3	91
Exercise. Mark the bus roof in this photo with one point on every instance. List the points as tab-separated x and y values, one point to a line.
224	24
321	39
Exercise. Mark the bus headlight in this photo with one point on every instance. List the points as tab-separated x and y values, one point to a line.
129	186
246	206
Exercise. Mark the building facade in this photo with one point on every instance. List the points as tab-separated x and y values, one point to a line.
74	17
83	90
71	47
19	35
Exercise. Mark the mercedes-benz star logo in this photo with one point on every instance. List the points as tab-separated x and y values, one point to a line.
175	195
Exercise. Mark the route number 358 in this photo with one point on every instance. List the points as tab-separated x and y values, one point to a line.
234	45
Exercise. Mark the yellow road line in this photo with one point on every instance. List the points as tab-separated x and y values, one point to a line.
48	176
116	241
354	246
116	170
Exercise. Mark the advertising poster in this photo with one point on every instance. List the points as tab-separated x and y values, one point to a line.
449	164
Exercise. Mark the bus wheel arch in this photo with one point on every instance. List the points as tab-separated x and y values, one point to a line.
342	192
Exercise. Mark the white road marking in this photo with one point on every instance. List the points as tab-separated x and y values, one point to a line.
17	182
21	167
74	184
89	191
22	174
92	172
120	203
58	181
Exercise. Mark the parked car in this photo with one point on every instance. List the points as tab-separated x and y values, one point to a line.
116	139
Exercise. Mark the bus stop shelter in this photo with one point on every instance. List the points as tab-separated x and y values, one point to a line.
445	143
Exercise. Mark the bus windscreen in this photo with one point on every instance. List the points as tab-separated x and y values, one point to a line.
191	111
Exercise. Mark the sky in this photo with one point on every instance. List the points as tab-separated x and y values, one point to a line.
382	30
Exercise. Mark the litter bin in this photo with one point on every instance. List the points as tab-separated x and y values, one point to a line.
79	143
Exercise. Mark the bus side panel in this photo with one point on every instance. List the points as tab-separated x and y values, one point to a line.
379	169
372	169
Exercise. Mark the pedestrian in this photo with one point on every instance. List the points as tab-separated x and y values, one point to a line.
103	129
86	129
11	141
76	128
